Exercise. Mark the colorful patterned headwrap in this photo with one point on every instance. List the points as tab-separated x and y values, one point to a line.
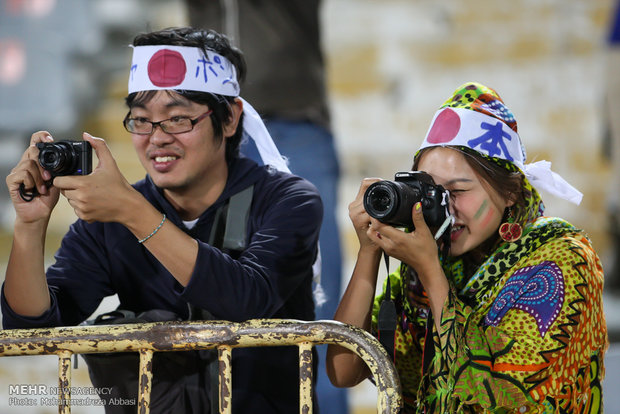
475	117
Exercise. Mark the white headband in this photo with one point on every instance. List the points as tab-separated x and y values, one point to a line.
492	137
181	68
187	68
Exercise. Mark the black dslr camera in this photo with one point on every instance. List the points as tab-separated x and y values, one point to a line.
66	157
391	202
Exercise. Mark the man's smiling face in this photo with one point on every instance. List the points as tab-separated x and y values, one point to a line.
178	162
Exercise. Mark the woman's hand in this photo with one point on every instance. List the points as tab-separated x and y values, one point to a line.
29	175
344	368
419	250
360	218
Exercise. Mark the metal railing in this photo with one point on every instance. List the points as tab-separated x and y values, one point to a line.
148	338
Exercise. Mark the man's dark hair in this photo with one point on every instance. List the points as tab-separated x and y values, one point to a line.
221	105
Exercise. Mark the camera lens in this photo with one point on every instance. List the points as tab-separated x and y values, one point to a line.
58	158
50	158
391	202
379	200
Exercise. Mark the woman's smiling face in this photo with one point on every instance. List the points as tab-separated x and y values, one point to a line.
477	208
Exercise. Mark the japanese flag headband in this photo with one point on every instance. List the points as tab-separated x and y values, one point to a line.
188	68
476	118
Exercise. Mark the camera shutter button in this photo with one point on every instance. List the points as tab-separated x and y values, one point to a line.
427	203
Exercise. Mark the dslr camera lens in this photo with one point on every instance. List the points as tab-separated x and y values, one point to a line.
391	202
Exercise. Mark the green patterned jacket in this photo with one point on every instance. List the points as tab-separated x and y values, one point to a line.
525	334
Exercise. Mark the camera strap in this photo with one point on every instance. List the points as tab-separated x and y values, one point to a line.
27	195
230	225
444	226
387	319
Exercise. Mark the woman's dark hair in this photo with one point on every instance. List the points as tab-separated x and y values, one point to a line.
221	105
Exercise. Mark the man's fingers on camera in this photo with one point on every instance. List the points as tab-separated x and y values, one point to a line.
102	151
27	173
73	198
40	136
71	182
81	208
78	207
31	153
18	178
42	175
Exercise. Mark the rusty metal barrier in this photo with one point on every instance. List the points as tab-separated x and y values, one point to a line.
148	338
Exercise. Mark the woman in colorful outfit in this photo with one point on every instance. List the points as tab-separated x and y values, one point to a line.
507	316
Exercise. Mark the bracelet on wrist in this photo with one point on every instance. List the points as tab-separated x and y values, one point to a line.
154	231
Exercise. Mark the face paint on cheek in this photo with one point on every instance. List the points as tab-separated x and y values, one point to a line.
490	214
481	210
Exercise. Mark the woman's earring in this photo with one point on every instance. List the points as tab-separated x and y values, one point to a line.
510	231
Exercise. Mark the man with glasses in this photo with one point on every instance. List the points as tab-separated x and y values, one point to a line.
153	242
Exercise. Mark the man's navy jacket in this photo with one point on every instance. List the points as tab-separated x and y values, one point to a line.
271	278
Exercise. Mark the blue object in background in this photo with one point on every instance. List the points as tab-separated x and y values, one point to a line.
312	155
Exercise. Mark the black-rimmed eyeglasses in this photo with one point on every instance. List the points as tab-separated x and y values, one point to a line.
174	125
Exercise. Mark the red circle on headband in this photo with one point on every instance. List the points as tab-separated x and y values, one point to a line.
166	68
445	127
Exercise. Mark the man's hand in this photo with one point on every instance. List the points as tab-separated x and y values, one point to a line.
29	175
103	194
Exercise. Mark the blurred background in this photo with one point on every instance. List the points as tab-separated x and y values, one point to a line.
390	64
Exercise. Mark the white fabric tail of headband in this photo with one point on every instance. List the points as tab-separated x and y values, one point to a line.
256	129
540	176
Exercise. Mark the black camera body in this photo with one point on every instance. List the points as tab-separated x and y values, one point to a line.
391	202
66	157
